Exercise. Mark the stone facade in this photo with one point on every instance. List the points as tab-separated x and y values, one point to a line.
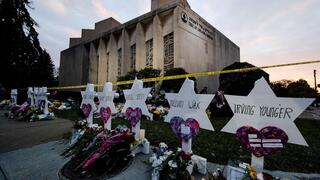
170	35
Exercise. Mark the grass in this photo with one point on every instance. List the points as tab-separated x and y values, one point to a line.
219	147
72	114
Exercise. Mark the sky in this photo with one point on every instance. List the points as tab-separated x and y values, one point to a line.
267	32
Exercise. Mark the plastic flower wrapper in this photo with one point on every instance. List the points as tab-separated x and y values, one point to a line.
76	135
152	158
86	139
114	139
122	128
216	175
158	161
250	172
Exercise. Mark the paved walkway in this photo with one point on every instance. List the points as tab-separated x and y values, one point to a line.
38	162
20	134
44	161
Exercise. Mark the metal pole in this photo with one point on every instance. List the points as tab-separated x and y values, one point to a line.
315	79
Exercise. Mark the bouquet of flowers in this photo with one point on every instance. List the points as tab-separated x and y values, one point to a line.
114	139
158	112
251	173
169	164
160	155
5	104
80	124
106	155
83	139
20	112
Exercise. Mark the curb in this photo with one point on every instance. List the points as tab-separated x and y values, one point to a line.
3	174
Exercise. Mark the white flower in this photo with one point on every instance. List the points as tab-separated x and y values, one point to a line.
82	132
157	162
168	153
162	144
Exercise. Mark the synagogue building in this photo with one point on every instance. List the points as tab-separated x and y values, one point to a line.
170	35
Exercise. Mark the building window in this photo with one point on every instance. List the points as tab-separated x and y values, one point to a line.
108	55
133	57
149	53
168	51
119	61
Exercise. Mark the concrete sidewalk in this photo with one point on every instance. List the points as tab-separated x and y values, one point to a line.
44	161
16	134
38	162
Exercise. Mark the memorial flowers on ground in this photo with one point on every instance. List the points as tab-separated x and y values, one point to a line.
170	164
158	112
159	156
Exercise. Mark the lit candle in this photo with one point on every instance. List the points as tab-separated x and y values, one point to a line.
142	133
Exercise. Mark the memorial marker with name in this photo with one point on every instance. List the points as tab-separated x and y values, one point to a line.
263	122
42	99
87	105
36	96
106	106
187	113
135	105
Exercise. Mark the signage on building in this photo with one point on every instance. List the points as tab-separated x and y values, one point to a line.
196	24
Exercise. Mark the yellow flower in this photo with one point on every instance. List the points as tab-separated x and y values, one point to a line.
252	171
253	175
157	112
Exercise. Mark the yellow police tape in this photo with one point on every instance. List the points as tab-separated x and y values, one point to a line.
163	78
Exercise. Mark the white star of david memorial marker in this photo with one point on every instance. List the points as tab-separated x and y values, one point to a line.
40	101
14	94
30	96
262	108
187	104
87	103
136	98
42	98
106	101
36	96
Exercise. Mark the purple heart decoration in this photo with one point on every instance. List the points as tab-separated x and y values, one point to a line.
105	113
180	127
86	109
264	142
133	115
